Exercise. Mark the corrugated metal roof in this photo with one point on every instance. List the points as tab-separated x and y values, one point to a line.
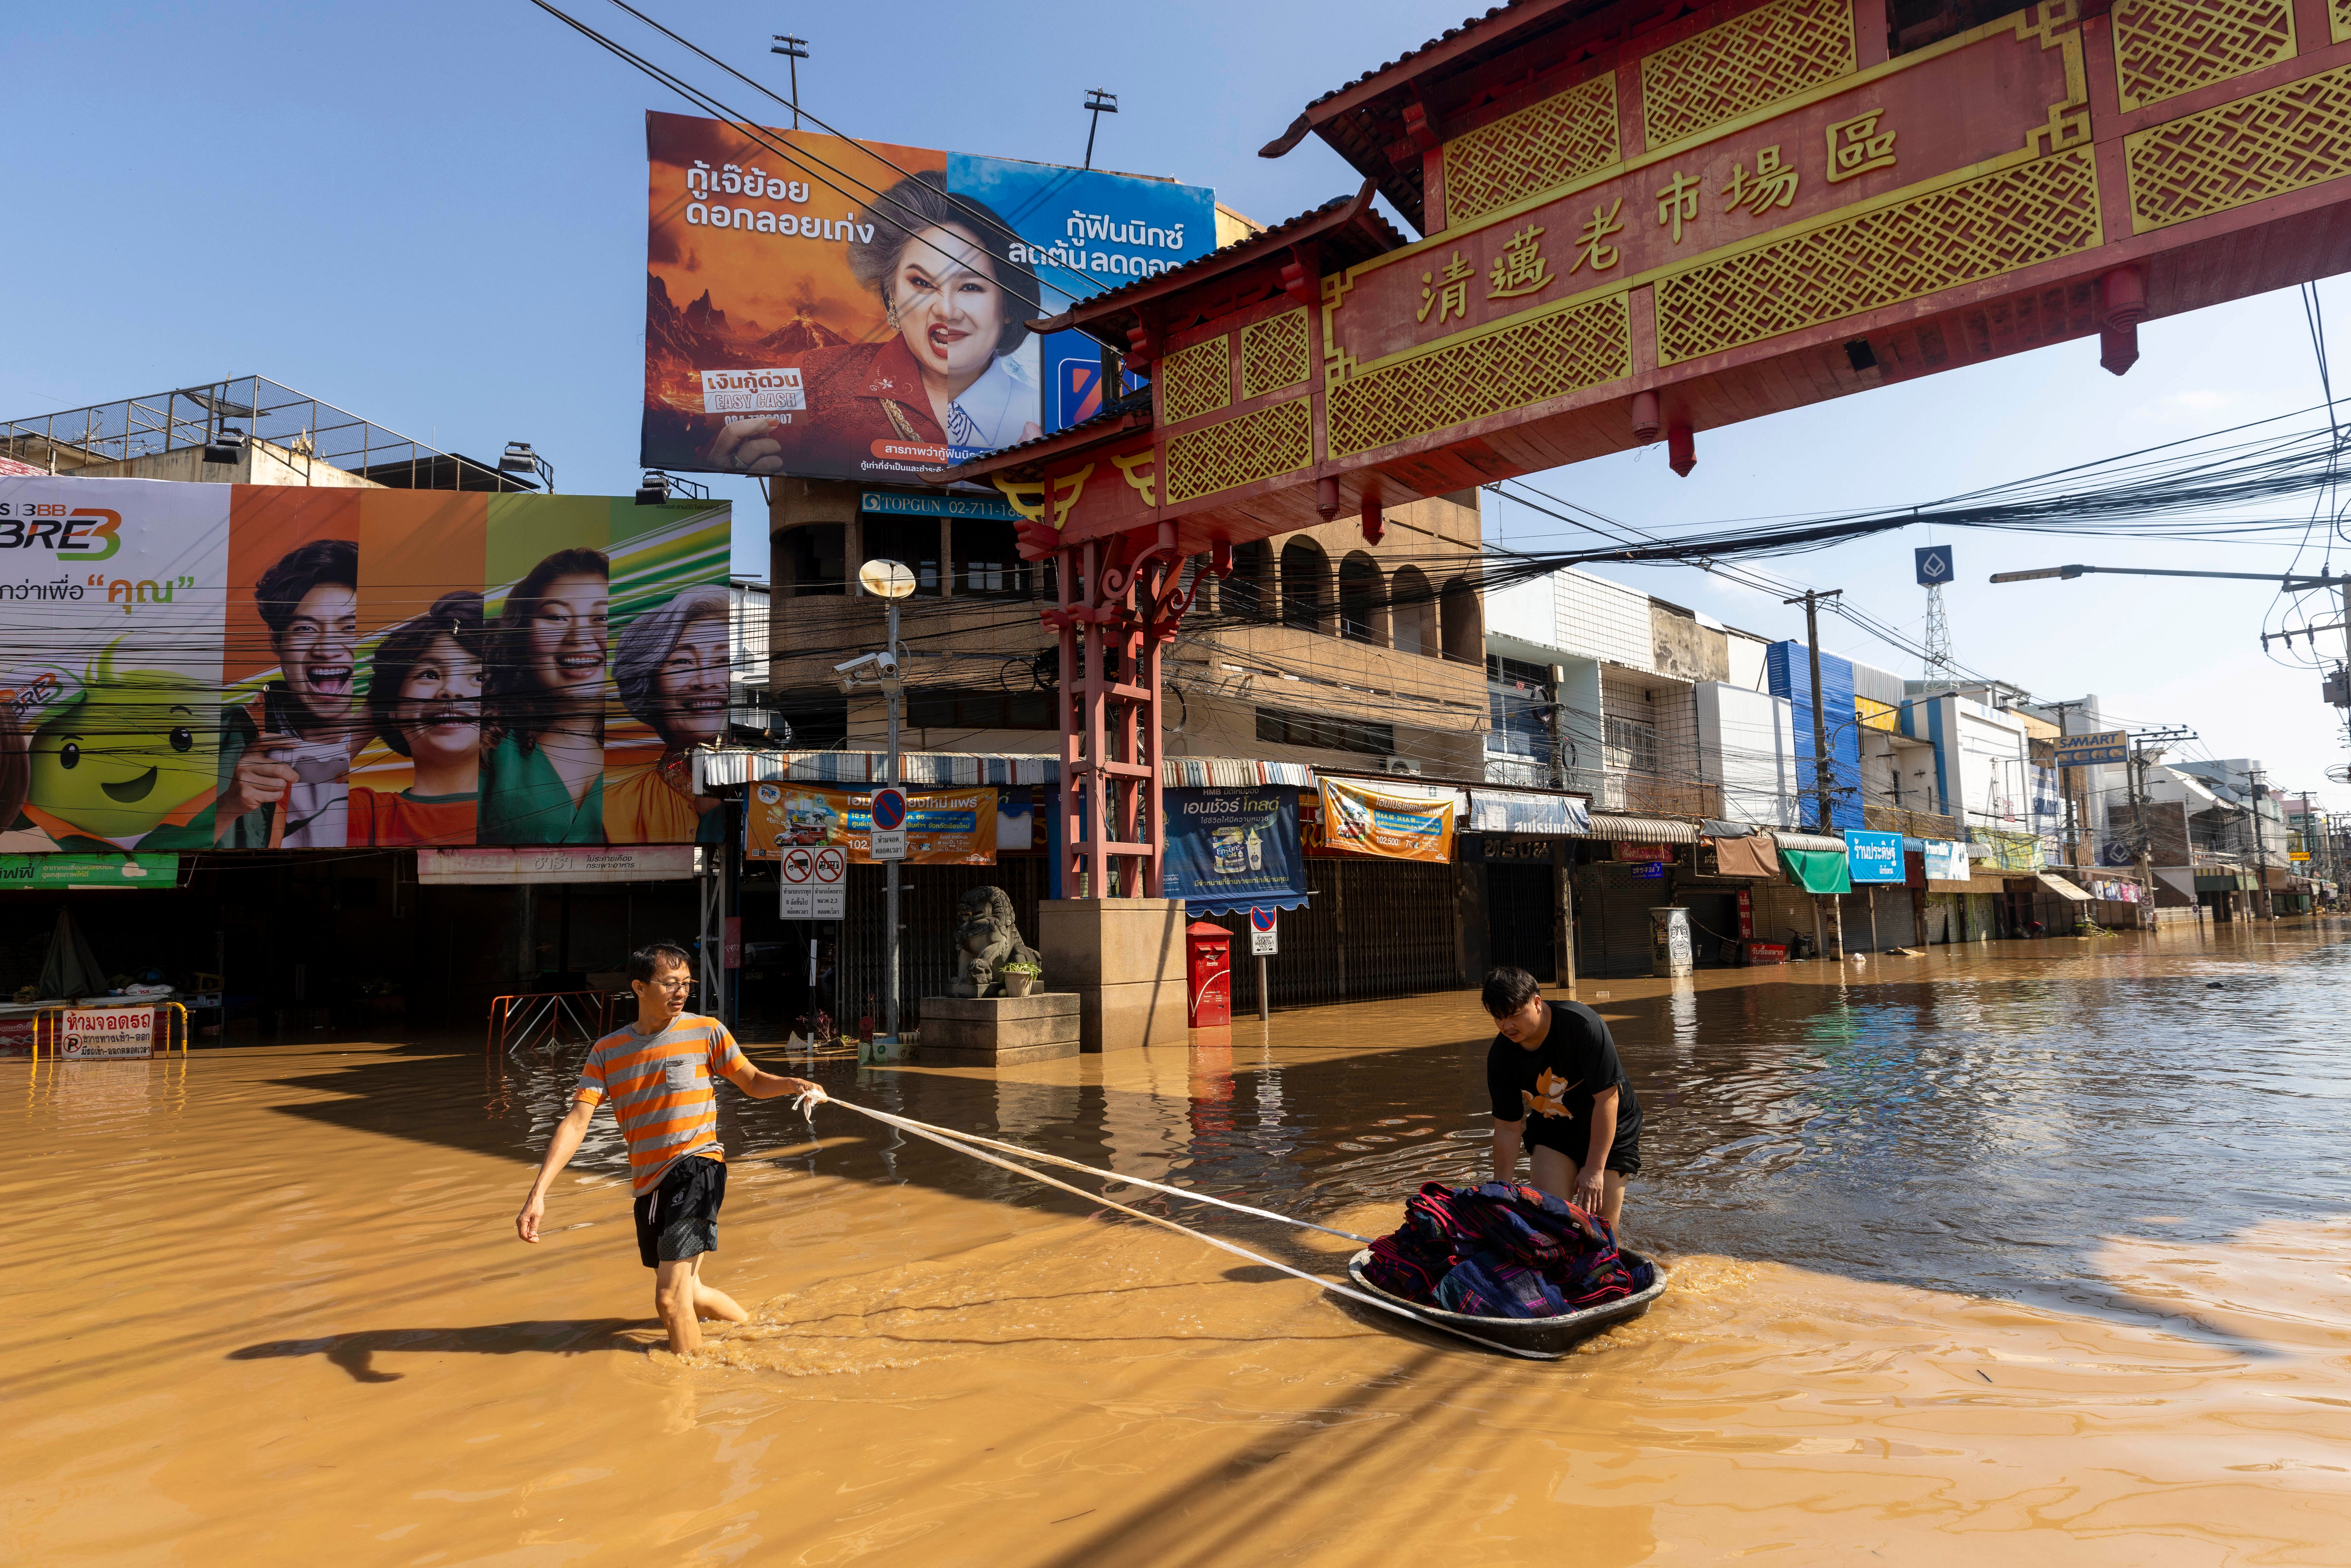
950	768
1643	829
1815	842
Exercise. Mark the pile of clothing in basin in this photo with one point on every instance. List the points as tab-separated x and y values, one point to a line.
1502	1251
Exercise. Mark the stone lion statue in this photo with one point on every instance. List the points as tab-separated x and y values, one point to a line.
986	941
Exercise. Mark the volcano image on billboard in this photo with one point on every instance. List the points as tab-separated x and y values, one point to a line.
843	310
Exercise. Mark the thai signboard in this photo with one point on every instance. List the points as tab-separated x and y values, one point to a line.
252	666
944	827
854	309
101	1034
89	871
648	863
1369	822
1874	857
1233	849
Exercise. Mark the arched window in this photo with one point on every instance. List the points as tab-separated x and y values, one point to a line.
1412	611
1249	594
1363	615
1461	623
1305	585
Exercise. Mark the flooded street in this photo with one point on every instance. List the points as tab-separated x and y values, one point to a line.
2036	1248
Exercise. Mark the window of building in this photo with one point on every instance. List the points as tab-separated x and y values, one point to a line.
932	708
988	562
912	541
808	560
1632	745
1519	708
1287	728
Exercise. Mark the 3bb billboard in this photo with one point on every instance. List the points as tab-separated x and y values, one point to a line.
252	666
854	310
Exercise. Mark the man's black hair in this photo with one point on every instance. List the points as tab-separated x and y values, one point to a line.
1507	989
282	586
647	961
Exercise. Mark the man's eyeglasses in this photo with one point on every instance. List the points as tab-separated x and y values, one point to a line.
684	985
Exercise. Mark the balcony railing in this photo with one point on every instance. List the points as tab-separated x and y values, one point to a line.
1917	824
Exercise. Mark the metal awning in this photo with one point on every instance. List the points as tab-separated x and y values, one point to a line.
1819	843
1521	811
1625	829
714	767
2059	885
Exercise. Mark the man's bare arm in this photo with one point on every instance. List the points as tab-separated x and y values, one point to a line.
560	1147
1506	1135
764	1085
1591	1181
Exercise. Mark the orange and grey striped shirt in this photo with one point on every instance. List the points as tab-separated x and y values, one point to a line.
662	1091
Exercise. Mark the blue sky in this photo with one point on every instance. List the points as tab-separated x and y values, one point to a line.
433	214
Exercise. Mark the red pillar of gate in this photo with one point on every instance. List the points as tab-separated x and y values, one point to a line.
1118	606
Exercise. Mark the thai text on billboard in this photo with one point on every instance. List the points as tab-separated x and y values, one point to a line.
856	310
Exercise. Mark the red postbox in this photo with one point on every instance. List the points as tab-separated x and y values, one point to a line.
1208	950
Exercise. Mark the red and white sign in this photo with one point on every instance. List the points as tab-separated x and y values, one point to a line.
813	883
103	1034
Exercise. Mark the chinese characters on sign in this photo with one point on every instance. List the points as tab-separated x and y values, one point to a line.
1773	183
1521	269
1454	299
1856	146
1592	245
1678	202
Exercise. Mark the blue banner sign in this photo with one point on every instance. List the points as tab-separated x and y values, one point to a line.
2094	749
1233	849
1874	857
1934	565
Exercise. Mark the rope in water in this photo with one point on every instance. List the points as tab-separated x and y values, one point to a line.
949	1139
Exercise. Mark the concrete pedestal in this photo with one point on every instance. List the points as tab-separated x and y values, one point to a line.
999	1032
1123	957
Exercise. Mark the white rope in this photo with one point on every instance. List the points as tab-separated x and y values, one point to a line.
947	1139
1039	1154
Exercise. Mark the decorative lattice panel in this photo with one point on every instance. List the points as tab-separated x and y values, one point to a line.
2262	145
1273	353
1275	440
1551	356
1745	63
1563	138
2338	19
1978	229
2166	47
1196	381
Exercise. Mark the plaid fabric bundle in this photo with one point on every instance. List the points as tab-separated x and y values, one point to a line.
1501	1250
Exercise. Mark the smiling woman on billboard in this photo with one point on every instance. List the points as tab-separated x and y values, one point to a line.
957	304
545	781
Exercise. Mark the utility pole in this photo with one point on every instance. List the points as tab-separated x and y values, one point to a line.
1098	104
2254	791
797	50
2065	783
1811	600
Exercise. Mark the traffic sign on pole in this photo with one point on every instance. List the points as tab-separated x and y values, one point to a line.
812	880
1265	932
889	819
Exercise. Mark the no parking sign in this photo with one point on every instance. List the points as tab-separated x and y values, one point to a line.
888	823
1265	932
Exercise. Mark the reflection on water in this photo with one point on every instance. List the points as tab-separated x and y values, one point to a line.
2050	1237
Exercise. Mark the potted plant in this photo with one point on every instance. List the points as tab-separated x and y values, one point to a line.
1020	978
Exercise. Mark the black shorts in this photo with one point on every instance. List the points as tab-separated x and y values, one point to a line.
679	1219
1575	1140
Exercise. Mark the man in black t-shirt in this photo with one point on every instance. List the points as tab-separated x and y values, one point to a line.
1557	1088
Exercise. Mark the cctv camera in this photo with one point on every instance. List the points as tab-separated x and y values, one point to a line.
857	663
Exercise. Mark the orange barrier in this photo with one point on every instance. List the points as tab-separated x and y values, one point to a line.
517	1021
55	1019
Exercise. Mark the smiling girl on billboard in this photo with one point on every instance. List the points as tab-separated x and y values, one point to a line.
546	775
425	696
939	388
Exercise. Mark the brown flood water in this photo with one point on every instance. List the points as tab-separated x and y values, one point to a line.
2042	1251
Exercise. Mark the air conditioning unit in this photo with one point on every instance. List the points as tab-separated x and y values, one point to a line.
1400	765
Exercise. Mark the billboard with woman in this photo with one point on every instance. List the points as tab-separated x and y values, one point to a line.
834	309
269	668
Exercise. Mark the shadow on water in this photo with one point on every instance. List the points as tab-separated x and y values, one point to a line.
1970	1121
356	1352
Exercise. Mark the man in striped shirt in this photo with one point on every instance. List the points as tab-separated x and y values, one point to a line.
660	1074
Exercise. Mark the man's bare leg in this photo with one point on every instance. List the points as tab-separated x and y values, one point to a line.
710	1302
1556	1174
673	1299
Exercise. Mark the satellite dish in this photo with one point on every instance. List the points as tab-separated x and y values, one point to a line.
886	579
